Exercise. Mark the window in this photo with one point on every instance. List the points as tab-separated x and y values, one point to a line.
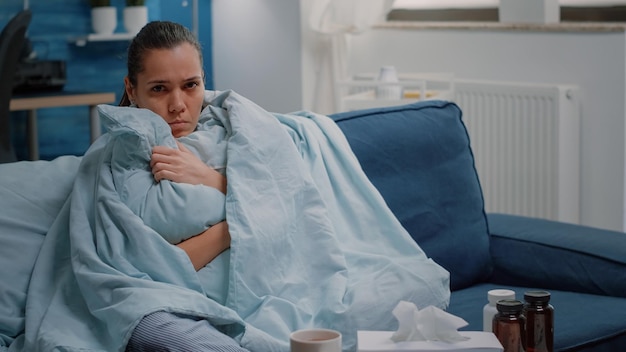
487	10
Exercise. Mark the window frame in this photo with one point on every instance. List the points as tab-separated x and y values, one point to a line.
480	11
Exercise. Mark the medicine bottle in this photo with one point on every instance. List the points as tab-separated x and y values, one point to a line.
509	325
489	310
539	315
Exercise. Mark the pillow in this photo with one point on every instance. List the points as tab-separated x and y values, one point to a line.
419	158
176	211
32	193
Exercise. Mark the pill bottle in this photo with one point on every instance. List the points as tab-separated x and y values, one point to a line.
539	315
489	310
509	325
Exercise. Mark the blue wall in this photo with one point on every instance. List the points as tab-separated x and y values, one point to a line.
97	66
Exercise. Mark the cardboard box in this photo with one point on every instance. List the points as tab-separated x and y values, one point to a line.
380	341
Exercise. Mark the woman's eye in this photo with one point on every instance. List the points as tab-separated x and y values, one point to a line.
158	89
191	84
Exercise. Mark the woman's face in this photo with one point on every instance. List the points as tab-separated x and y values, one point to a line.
172	86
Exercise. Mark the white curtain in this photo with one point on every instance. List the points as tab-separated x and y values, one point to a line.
335	21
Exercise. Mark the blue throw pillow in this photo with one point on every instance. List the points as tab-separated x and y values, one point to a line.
419	158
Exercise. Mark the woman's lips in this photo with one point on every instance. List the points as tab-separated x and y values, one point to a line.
178	123
179	128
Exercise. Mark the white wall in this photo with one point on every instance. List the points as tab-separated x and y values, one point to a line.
257	51
263	50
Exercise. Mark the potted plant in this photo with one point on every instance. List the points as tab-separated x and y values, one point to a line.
103	16
135	15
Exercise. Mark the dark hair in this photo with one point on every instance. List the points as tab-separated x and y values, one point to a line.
155	35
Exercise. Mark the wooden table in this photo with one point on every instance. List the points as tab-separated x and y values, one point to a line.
34	101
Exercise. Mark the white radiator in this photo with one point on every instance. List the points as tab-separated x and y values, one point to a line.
526	143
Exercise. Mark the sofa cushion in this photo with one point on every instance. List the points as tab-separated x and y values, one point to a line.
418	156
31	196
568	256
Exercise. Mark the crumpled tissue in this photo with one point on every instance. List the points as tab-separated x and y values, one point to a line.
427	324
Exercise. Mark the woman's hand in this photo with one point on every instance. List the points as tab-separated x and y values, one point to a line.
205	247
181	165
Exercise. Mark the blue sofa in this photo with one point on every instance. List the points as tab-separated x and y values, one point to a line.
419	158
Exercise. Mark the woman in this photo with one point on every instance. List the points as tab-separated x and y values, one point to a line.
165	75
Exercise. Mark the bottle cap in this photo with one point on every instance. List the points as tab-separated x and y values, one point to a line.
509	306
537	296
496	295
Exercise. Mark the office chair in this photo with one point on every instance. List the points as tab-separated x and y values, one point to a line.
11	42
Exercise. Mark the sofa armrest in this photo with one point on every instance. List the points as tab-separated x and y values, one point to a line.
542	253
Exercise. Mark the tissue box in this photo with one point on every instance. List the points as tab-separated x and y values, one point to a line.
380	341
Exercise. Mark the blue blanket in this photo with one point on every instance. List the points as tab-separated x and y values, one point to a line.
313	243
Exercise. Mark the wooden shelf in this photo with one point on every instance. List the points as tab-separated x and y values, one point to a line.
59	99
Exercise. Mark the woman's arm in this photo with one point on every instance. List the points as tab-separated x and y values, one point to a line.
181	165
205	247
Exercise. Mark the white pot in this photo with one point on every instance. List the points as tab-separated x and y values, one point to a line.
135	17
104	19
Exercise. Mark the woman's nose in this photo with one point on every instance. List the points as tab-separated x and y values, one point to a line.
176	103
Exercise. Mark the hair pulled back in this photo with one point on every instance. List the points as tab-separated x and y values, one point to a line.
155	35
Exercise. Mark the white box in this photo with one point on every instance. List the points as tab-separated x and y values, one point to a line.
380	341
